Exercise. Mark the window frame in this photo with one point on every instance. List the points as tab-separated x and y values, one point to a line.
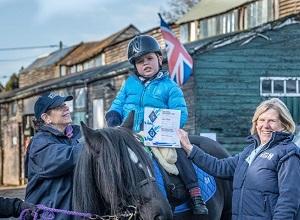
259	12
76	107
284	93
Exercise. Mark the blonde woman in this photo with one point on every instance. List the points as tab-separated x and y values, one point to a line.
266	173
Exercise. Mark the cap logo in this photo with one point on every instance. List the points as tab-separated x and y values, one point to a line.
52	95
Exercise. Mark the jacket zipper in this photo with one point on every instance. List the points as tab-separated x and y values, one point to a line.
265	203
264	149
243	186
138	127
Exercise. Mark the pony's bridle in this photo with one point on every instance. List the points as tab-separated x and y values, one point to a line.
129	213
149	178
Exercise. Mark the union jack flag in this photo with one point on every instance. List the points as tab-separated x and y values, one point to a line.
179	61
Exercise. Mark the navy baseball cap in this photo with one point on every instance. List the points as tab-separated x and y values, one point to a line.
49	101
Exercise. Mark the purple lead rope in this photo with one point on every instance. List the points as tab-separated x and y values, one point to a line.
50	213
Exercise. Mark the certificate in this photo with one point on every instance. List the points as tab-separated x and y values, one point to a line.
160	127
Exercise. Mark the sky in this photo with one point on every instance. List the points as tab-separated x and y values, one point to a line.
31	23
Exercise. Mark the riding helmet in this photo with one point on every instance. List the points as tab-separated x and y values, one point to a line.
141	45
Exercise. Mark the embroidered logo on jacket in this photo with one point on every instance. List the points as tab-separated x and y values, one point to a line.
266	155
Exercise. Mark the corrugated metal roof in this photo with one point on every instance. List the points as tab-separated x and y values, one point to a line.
87	76
207	8
51	59
81	51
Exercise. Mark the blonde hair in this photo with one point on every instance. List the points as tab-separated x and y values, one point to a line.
284	114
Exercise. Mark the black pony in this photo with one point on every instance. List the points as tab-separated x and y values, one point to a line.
113	177
219	205
114	172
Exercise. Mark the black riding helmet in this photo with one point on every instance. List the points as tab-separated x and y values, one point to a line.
141	45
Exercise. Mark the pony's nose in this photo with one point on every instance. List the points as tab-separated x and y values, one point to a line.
159	217
165	216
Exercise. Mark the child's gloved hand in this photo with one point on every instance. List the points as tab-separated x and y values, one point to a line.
113	118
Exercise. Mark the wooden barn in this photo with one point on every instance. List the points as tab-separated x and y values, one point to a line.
234	73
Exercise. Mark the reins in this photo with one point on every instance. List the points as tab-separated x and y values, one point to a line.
45	213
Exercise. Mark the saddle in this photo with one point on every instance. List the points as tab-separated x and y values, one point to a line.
174	190
177	193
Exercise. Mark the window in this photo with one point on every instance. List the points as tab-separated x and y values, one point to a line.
227	23
89	64
73	69
193	31
208	28
203	29
63	70
221	24
280	86
99	60
98	113
79	68
189	32
80	98
258	13
13	108
184	33
79	113
266	86
291	86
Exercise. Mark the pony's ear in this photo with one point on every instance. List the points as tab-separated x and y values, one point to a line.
85	129
90	135
129	121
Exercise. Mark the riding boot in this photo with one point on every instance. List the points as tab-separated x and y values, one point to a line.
198	204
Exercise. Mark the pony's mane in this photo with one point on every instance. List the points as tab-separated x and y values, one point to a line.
105	166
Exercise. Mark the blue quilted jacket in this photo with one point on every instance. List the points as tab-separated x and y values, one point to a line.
161	92
268	188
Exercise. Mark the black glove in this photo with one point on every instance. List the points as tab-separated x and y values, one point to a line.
26	205
29	215
113	118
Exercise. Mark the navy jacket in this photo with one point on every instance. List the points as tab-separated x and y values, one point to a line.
161	92
51	162
10	207
269	187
